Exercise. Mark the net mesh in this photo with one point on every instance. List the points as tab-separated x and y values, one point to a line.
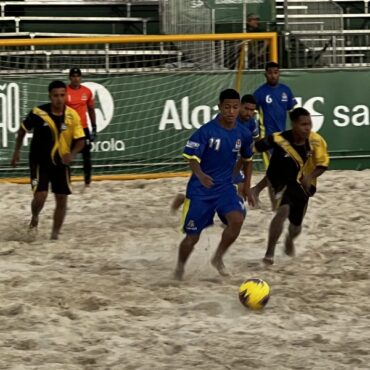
149	97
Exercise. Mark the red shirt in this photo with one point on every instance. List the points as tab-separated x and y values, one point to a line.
80	99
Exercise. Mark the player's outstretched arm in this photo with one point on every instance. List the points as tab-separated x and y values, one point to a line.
264	144
18	144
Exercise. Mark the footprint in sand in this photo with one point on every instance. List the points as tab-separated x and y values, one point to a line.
137	311
93	304
210	308
12	310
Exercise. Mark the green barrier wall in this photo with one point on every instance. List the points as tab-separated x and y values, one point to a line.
144	121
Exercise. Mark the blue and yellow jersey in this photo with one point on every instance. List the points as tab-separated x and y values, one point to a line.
252	126
216	149
273	103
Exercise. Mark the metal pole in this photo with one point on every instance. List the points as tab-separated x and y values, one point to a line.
286	20
213	20
106	48
244	16
335	50
213	47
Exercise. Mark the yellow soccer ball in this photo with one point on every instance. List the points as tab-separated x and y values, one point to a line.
254	294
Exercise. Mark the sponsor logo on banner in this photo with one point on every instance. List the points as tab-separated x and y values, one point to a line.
9	112
104	112
104	104
181	116
196	4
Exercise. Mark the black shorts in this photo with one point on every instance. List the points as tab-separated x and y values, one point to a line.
58	175
297	200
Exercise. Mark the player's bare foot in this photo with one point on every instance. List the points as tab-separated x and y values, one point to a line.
32	227
85	188
177	202
219	266
289	247
268	261
32	230
54	235
33	223
179	272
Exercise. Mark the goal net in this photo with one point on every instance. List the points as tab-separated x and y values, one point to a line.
150	92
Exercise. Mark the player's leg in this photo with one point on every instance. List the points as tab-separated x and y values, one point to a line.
256	190
59	214
37	204
177	202
234	223
186	247
297	212
275	230
86	156
61	187
196	216
40	185
231	207
293	232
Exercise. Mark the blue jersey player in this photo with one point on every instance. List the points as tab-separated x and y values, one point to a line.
274	101
212	152
247	117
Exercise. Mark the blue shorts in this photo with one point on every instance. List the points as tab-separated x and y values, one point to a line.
238	178
198	213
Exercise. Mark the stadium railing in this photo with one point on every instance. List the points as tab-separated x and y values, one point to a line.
22	19
128	4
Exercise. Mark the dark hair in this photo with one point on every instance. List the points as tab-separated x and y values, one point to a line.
298	112
271	65
229	94
249	98
75	71
56	85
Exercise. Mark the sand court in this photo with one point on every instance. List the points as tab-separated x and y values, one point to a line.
103	296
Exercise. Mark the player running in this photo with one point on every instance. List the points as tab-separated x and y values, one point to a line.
212	151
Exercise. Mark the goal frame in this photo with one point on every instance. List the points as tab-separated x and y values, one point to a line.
269	37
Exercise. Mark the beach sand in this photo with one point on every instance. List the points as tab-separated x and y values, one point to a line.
103	296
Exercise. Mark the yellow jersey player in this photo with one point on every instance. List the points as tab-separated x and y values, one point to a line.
57	138
299	157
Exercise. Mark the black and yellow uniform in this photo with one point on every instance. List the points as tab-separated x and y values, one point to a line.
52	138
289	164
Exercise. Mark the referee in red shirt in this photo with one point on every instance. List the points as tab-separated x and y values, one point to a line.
81	99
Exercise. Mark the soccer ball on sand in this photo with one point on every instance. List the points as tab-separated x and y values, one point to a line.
254	294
